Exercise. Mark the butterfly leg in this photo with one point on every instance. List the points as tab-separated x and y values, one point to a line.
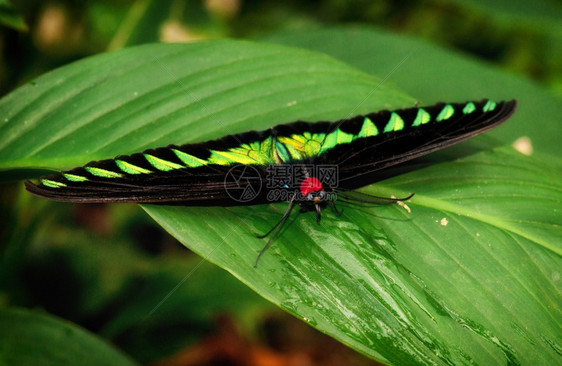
276	228
335	209
318	213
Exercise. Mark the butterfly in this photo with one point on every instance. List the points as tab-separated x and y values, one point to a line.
306	164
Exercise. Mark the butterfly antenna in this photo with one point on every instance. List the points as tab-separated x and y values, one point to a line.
275	229
372	198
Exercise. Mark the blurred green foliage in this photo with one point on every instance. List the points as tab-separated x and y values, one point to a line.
523	36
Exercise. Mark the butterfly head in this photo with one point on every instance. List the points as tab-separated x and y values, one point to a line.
313	194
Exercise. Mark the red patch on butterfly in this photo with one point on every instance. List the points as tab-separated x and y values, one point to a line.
310	185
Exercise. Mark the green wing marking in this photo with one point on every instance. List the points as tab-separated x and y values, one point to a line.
74	177
131	168
469	108
189	160
422	117
103	173
161	164
368	129
446	113
395	123
52	183
489	106
300	146
253	153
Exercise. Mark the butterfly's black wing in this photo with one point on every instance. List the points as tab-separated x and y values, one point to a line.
361	161
197	187
200	174
171	175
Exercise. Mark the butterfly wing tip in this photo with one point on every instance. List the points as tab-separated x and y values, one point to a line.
30	186
36	189
509	107
42	191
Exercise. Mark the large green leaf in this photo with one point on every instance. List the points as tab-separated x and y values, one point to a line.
471	275
29	338
154	95
482	286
